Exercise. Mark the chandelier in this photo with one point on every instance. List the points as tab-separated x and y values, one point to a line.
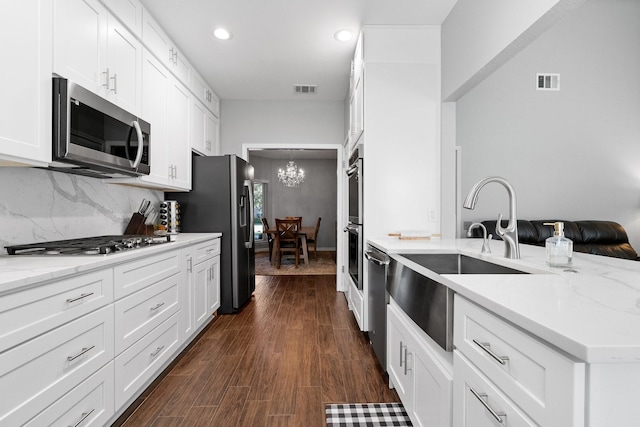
291	176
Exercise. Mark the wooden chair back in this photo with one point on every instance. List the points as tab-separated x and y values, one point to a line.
287	235
312	241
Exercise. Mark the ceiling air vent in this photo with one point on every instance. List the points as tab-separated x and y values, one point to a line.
547	81
305	89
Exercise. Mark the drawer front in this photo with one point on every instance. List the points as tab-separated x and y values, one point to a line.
31	312
472	391
207	250
137	314
543	382
40	371
89	404
134	276
143	360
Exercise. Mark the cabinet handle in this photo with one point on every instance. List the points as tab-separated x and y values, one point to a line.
190	267
157	306
481	397
158	350
83	351
83	417
82	296
106	79
171	55
485	346
401	346
115	82
406	362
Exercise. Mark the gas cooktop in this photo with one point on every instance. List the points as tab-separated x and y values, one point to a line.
99	245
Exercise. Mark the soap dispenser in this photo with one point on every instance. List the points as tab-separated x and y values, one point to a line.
559	248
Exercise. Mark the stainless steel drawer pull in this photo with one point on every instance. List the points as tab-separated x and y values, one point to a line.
210	250
485	346
82	296
405	361
83	351
401	347
158	350
499	416
84	416
157	306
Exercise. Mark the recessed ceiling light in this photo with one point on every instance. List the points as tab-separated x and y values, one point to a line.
222	34
343	35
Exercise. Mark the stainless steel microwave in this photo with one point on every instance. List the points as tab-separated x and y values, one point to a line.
93	137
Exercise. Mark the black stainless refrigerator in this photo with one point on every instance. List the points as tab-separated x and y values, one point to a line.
221	200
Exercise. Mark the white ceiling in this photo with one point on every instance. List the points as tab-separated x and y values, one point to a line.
279	43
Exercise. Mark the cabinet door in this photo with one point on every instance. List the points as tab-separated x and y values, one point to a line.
213	290
399	358
432	391
155	93
25	138
179	152
212	126
198	120
201	280
124	59
80	34
187	292
129	12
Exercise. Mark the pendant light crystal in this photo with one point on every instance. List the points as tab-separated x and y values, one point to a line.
291	176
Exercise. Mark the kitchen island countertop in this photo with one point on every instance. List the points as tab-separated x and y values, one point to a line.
18	271
590	311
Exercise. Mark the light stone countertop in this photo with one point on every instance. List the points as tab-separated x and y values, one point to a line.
592	314
30	270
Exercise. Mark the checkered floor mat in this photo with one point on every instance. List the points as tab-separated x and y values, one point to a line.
366	415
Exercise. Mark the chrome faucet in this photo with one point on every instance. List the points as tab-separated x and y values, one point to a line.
509	234
485	240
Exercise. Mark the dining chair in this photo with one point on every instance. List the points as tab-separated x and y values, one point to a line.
287	235
312	239
270	236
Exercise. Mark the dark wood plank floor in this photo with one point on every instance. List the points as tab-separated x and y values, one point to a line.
292	349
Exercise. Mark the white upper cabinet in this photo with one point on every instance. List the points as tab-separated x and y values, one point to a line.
161	46
93	49
204	93
25	138
129	12
166	106
204	129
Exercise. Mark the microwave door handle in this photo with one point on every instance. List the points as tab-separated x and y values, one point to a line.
138	159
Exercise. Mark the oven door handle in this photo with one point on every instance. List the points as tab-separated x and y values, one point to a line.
353	169
352	228
370	256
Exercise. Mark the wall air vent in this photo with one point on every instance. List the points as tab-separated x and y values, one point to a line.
547	81
305	89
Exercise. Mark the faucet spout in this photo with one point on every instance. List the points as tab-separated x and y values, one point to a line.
509	234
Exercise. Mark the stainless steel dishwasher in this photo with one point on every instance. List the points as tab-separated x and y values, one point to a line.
377	302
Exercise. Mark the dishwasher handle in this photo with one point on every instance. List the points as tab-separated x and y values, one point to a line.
371	257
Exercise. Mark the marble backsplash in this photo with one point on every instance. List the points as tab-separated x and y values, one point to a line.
38	205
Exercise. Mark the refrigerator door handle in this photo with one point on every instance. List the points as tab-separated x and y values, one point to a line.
249	213
243	211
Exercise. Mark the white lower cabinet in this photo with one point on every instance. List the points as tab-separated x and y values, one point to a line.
202	285
419	370
356	301
89	404
520	371
140	363
479	403
40	371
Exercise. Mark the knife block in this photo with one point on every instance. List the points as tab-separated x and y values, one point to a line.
136	224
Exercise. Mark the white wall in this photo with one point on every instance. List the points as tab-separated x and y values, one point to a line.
479	36
572	154
280	122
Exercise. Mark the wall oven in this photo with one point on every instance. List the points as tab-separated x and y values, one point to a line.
354	173
355	225
93	137
355	253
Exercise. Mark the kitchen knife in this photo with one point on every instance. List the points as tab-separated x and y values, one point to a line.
147	203
142	206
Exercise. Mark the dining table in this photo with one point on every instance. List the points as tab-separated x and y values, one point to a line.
302	235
